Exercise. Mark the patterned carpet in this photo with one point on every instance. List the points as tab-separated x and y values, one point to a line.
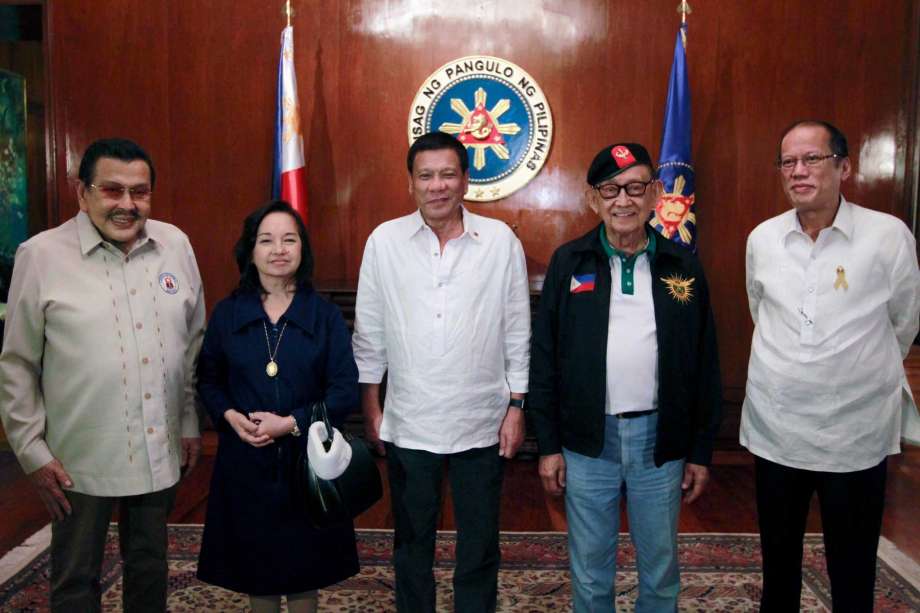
720	572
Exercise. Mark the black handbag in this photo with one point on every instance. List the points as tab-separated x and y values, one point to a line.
332	501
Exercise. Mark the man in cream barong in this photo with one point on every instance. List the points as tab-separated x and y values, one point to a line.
103	327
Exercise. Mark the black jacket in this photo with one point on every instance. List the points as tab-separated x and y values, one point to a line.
568	366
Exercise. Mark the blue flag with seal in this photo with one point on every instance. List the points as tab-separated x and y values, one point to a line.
675	215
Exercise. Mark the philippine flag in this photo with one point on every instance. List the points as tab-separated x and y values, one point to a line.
289	178
582	283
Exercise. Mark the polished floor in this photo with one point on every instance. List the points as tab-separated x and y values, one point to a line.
727	505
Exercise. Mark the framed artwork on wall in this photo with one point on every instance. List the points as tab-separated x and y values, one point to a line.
13	197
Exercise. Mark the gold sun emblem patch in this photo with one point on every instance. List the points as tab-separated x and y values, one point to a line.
681	289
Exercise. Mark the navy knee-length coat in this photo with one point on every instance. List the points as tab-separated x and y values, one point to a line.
256	537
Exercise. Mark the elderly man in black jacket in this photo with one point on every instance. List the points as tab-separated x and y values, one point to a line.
624	384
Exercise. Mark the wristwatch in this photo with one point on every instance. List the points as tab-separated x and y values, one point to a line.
295	431
516	402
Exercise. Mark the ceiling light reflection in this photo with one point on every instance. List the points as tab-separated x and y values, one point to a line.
558	25
877	158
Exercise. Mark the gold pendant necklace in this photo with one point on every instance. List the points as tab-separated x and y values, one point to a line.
271	369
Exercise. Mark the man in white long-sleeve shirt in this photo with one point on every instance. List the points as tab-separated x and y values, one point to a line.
834	292
443	309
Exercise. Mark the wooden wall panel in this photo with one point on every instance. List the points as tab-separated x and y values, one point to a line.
195	83
223	67
109	77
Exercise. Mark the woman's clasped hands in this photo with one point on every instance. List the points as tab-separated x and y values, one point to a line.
259	428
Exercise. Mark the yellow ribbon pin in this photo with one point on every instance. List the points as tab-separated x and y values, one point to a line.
841	279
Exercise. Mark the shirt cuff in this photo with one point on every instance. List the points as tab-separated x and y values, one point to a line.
35	456
518	381
190	425
371	375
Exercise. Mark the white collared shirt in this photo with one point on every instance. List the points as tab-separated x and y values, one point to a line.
632	340
451	330
834	320
99	352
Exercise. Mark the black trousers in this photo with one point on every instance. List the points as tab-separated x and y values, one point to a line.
415	490
851	517
78	544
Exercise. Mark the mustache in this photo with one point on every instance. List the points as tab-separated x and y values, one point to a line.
134	214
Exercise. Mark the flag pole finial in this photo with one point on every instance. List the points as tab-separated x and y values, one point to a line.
288	11
684	9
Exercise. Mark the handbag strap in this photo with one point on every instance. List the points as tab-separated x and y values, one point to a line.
320	414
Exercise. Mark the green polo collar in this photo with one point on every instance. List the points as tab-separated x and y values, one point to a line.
627	262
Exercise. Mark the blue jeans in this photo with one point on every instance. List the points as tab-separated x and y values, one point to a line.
592	507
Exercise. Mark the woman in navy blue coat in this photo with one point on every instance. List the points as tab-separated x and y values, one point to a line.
272	348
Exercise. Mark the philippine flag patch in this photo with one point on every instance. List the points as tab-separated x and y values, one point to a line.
582	283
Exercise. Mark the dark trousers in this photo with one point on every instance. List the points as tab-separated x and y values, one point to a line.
415	489
851	517
78	544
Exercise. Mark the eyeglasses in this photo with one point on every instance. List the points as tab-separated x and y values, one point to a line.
116	191
612	190
811	160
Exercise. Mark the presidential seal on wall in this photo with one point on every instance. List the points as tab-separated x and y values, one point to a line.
497	110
